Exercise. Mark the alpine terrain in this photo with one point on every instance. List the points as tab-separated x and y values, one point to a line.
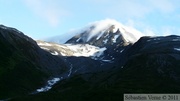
101	61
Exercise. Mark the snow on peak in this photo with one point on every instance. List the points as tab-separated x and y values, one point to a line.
97	28
130	34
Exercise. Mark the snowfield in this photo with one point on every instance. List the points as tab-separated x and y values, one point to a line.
86	50
77	50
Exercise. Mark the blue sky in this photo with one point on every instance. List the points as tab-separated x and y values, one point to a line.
45	18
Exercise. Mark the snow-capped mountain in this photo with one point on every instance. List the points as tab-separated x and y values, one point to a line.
96	40
97	30
106	31
102	61
98	45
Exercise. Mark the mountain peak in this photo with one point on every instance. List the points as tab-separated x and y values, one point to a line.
129	33
96	29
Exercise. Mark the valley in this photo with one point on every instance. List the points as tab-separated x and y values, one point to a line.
98	63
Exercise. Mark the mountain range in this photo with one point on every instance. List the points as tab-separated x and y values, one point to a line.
103	61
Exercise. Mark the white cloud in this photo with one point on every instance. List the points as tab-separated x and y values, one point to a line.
122	10
139	10
145	29
47	10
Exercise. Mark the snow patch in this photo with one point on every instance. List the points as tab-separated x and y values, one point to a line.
175	39
106	60
49	85
63	54
100	35
178	49
45	48
105	41
100	52
121	51
85	50
148	40
78	40
115	38
70	70
157	39
55	53
44	44
106	35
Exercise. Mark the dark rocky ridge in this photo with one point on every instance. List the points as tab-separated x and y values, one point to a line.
24	66
104	39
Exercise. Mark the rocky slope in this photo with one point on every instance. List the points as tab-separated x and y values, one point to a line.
24	66
151	65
